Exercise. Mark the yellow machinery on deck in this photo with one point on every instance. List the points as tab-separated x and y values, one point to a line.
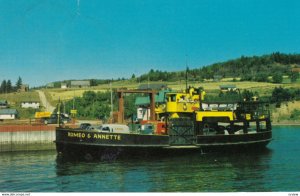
191	104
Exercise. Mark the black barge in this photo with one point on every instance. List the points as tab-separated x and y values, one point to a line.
191	125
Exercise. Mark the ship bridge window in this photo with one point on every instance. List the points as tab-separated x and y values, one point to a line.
172	98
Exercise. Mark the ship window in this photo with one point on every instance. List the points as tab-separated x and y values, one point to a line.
172	98
105	129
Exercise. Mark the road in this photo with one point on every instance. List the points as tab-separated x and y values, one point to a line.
45	103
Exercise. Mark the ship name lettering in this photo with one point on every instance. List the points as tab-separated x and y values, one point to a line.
78	135
107	136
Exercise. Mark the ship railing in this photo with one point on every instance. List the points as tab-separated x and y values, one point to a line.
219	106
257	109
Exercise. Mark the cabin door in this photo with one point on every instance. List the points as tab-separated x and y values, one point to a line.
181	131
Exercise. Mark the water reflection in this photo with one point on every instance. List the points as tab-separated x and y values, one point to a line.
27	171
273	169
192	172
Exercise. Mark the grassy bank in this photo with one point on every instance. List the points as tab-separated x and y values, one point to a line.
263	88
15	99
288	113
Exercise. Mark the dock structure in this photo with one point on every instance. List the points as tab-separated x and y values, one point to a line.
26	137
121	93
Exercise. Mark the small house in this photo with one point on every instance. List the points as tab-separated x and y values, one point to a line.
143	104
3	104
80	83
63	85
8	114
30	104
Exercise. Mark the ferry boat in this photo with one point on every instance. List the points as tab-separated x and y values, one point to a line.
183	123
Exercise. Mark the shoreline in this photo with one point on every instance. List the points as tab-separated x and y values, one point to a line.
285	124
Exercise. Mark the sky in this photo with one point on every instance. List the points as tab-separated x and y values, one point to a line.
51	40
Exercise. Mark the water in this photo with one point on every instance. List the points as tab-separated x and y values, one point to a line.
275	169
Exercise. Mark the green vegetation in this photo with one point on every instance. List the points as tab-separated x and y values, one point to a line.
97	105
294	76
246	68
17	97
283	94
90	106
7	87
26	113
277	78
295	115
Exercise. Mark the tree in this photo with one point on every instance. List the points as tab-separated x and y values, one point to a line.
3	87
19	83
294	76
280	94
9	88
247	95
91	105
277	78
261	77
246	77
89	97
93	82
133	76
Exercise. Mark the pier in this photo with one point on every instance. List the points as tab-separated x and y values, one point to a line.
27	137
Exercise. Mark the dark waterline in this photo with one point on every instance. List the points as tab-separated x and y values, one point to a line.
277	168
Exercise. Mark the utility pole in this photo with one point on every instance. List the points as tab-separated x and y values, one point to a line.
74	100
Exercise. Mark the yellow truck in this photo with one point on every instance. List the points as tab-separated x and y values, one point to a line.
42	115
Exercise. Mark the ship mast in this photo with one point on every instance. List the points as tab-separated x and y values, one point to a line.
186	74
111	102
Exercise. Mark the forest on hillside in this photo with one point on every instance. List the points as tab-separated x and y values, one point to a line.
255	68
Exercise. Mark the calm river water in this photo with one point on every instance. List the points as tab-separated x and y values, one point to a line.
275	169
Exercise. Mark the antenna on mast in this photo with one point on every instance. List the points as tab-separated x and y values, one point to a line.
186	73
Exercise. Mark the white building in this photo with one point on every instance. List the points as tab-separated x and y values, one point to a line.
30	104
63	85
80	83
143	113
8	114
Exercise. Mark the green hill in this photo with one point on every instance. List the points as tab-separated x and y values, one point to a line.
255	68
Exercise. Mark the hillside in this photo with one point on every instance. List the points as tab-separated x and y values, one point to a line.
249	68
256	68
